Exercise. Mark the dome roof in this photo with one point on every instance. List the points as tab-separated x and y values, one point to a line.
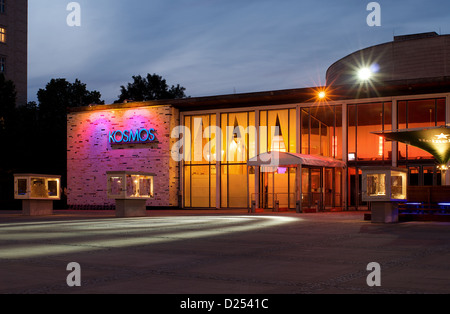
411	57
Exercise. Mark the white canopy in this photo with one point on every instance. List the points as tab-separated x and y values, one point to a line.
275	159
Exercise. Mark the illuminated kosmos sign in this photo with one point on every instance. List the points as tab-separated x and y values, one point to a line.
132	136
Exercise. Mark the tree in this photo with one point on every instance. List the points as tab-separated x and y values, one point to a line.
152	87
7	138
7	102
58	95
61	93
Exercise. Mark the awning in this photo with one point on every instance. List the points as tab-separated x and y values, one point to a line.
282	159
434	140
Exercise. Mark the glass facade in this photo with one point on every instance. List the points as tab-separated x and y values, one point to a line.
220	178
363	120
200	161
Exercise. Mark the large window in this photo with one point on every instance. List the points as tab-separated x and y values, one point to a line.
321	131
201	154
200	161
278	131
419	114
238	145
363	120
2	6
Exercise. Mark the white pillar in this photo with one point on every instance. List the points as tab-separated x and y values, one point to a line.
344	157
218	164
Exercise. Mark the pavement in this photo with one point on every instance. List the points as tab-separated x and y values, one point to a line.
221	252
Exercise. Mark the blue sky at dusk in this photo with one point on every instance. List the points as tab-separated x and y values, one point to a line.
212	47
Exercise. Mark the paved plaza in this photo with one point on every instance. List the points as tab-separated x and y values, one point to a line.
220	252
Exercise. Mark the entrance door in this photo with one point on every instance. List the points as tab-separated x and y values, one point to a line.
354	188
329	187
278	186
316	188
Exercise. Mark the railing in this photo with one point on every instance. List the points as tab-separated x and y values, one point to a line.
275	201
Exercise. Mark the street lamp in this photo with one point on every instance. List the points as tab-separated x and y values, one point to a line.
365	74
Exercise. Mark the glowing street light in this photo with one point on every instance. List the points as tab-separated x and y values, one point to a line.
322	95
365	74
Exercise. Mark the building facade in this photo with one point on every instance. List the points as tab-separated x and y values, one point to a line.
14	45
206	147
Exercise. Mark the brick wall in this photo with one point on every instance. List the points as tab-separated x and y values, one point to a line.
90	155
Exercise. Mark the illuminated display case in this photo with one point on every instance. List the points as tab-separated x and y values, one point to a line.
384	184
384	188
131	190
130	185
37	187
37	192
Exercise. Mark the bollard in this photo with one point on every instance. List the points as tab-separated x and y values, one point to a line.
277	205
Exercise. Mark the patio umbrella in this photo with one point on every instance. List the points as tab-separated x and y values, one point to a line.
434	140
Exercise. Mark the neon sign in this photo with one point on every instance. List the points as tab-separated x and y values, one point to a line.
132	136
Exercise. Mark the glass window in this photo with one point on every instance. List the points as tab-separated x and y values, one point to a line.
139	186
52	186
351	132
278	130
305	131
2	35
2	64
376	184
237	186
322	130
187	187
402	124
38	188
131	186
200	186
2	6
336	145
22	186
387	126
200	159
370	119
419	114
238	145
238	137
115	185
398	185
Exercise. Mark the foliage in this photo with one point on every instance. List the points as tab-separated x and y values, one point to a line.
152	87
